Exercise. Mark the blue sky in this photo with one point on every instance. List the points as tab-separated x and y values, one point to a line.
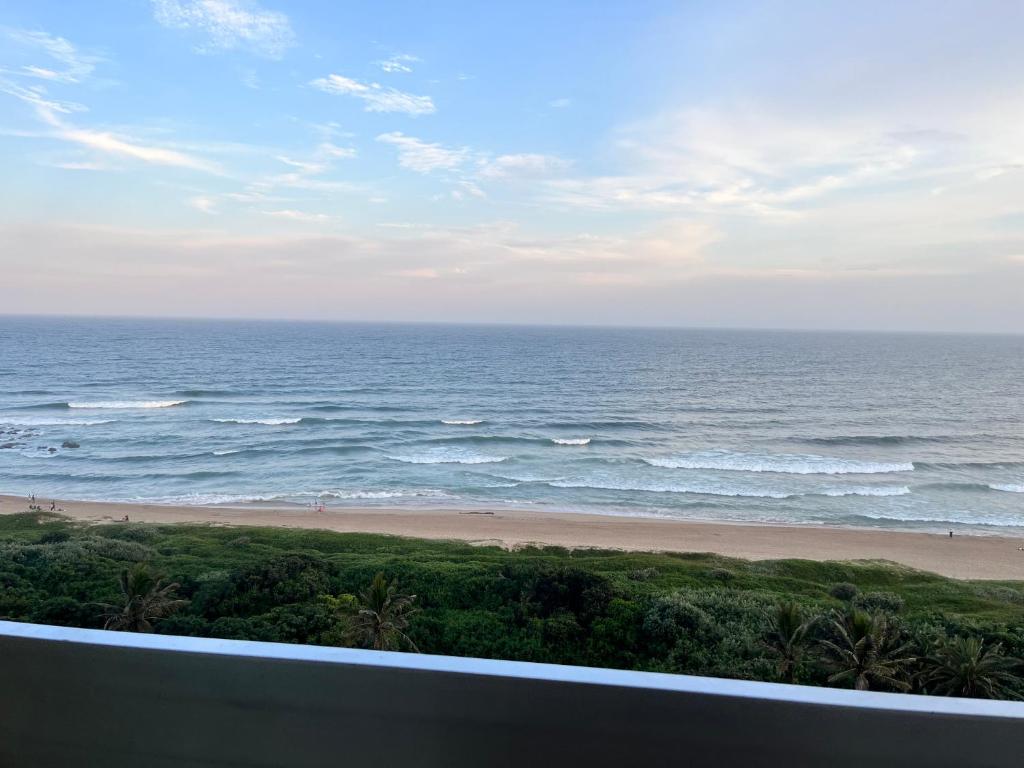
812	165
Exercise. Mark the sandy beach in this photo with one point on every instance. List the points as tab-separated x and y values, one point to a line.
961	557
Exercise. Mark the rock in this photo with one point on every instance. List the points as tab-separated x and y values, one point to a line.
52	450
70	444
6	445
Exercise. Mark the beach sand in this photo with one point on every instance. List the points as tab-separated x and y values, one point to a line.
961	557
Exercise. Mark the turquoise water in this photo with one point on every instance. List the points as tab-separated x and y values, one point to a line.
908	431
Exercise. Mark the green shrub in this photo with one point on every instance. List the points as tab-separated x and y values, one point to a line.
844	591
873	602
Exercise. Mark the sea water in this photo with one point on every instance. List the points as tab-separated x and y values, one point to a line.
857	429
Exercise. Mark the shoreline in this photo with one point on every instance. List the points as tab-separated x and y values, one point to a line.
961	557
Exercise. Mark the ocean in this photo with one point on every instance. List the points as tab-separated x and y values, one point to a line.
909	431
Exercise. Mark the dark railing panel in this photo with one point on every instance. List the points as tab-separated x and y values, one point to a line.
87	698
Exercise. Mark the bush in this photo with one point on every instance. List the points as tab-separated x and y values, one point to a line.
721	574
118	549
642	574
141	534
844	591
873	602
54	537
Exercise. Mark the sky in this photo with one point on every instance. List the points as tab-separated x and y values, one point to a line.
717	164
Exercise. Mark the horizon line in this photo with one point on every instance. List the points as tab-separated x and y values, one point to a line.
499	324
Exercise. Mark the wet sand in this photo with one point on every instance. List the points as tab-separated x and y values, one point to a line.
961	557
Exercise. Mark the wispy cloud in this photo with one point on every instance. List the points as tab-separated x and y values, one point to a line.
524	165
203	204
744	161
422	156
294	215
109	143
52	113
398	63
377	98
229	24
560	103
74	66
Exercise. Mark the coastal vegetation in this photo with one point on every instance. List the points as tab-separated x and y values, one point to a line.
870	626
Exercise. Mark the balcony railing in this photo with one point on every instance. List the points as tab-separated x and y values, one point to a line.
78	697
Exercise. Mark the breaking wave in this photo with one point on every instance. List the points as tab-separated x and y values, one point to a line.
695	488
788	464
1008	487
128	404
891	490
266	422
571	440
447	456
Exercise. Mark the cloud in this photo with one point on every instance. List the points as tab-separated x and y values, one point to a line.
398	63
111	144
467	187
742	160
75	66
294	215
339	153
423	273
494	272
522	165
229	25
560	103
422	156
203	204
305	175
376	97
51	113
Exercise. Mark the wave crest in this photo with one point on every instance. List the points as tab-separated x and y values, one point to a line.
447	456
266	422
127	404
783	463
697	488
1008	487
890	490
571	440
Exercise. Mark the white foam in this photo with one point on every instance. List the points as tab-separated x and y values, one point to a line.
129	404
890	490
202	499
266	422
370	495
571	440
38	453
946	518
697	488
1008	487
462	422
447	456
45	421
226	453
783	463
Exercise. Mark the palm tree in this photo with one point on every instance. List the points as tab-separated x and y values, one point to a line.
145	598
867	651
383	617
965	666
786	638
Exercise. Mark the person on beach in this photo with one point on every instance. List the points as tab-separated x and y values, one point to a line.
53	506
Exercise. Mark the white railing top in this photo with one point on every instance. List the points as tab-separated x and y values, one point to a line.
709	686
